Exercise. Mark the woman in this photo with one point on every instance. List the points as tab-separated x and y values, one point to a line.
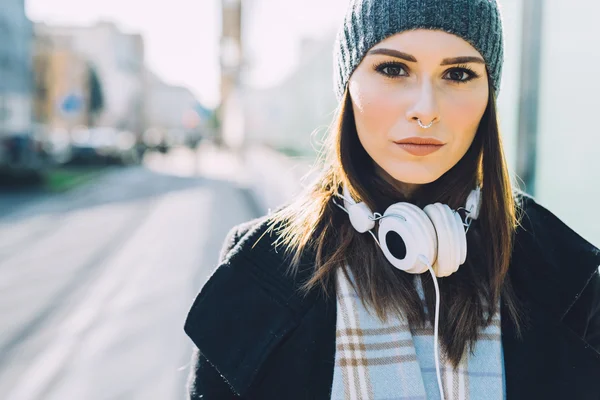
340	296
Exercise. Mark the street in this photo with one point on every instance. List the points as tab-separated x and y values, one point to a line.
96	282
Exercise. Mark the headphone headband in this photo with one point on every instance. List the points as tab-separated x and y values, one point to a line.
436	232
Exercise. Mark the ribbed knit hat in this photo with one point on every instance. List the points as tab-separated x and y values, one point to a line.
368	22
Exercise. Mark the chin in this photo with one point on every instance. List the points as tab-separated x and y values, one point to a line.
415	177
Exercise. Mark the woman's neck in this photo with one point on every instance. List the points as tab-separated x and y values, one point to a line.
407	190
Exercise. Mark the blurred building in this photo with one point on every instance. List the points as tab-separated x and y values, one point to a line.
167	105
18	149
118	59
173	112
15	68
62	83
285	116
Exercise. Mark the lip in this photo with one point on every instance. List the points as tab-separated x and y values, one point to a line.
418	146
419	149
420	140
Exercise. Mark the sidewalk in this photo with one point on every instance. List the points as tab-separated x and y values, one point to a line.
273	177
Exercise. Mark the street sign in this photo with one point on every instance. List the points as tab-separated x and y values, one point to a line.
71	104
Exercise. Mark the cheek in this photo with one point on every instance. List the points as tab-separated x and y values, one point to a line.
374	113
463	118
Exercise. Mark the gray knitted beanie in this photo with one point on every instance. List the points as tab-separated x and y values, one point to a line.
368	22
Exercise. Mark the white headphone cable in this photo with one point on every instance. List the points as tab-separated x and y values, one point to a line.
436	352
436	325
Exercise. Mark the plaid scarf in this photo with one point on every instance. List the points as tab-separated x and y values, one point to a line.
392	361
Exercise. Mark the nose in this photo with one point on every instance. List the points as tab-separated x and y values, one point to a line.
424	106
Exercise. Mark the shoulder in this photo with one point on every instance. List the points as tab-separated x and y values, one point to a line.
248	304
236	233
550	261
551	237
238	237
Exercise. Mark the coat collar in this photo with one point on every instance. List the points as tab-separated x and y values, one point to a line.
551	263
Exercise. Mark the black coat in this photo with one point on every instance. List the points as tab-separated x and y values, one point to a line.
258	339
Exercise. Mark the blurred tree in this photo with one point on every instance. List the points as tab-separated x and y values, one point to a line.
96	95
215	118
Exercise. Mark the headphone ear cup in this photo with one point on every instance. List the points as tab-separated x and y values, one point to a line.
360	217
462	238
415	229
359	213
452	241
474	203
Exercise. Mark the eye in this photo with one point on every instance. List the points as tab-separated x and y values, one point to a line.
461	74
391	69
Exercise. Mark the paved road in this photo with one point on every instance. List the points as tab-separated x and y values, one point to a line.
95	284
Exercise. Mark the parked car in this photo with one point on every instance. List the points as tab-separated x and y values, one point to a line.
175	138
20	155
56	144
128	149
155	139
193	139
20	150
82	147
104	144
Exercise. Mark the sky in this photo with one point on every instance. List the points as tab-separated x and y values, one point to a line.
181	36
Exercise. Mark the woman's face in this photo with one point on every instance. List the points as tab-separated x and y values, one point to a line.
419	75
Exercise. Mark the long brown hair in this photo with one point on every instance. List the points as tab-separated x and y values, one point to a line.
470	297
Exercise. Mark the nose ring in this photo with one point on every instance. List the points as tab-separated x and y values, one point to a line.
425	126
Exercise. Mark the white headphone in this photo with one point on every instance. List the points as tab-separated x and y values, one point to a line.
435	241
437	232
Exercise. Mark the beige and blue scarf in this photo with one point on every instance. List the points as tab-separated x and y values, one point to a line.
392	361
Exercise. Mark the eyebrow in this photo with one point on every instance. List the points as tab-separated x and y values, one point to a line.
445	61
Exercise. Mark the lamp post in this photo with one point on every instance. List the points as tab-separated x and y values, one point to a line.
230	64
